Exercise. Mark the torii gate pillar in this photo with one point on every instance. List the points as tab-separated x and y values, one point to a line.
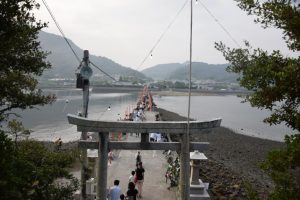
102	166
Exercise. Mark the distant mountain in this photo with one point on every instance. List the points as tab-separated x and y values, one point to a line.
64	62
200	71
162	71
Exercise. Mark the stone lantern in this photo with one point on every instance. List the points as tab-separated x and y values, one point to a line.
198	189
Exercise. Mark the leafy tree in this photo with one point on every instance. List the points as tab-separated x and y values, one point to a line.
16	129
27	169
21	58
275	80
180	85
31	171
283	167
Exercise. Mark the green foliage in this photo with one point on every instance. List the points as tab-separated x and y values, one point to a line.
250	192
164	84
21	58
283	167
17	129
169	84
275	80
32	171
283	14
179	84
27	169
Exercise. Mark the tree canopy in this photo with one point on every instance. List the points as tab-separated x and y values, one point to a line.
28	170
21	58
31	171
274	78
275	82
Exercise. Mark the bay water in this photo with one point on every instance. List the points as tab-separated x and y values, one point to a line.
50	122
240	117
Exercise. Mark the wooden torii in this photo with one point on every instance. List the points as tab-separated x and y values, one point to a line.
169	127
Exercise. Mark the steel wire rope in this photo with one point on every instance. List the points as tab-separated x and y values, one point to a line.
73	51
162	35
60	30
103	72
219	23
65	38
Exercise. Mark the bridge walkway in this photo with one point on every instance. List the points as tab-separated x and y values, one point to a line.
155	166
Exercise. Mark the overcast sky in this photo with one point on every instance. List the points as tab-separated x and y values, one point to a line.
126	30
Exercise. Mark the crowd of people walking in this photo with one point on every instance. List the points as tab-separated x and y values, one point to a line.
135	183
137	176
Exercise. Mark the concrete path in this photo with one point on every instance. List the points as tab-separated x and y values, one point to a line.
154	163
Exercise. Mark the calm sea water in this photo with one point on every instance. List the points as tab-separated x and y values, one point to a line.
235	115
50	122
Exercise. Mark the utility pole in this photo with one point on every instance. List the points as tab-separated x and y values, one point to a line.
185	154
84	83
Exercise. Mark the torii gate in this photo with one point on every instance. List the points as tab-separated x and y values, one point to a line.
171	127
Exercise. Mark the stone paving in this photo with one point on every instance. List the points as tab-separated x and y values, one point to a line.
154	163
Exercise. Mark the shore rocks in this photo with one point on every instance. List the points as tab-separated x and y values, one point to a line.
233	161
223	183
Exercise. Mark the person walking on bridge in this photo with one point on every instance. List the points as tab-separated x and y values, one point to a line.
131	177
132	192
140	178
138	158
115	191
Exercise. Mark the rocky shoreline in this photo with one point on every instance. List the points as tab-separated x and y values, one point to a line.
233	161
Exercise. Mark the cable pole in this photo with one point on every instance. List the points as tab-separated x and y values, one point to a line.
186	193
84	83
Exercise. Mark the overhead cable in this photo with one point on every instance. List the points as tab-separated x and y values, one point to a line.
103	71
63	35
219	23
60	30
163	34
